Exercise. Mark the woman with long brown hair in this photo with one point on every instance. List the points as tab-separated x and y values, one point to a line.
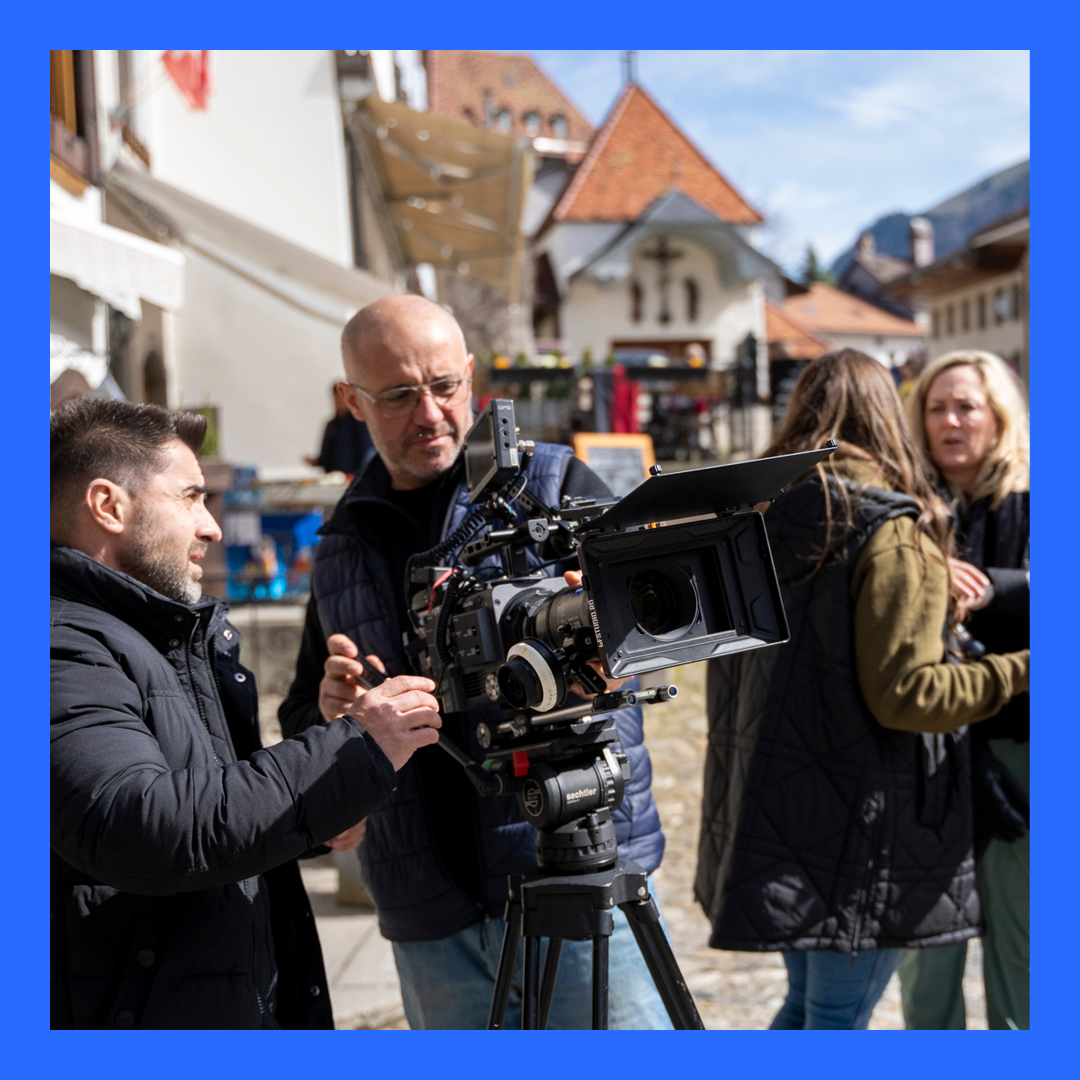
969	420
836	816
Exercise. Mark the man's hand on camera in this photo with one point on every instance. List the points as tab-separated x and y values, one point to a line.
338	688
573	577
401	715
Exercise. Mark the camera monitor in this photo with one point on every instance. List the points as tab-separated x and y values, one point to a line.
491	449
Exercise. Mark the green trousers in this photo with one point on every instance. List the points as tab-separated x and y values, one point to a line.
931	980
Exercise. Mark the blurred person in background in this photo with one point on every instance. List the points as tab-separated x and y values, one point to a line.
837	824
346	445
970	421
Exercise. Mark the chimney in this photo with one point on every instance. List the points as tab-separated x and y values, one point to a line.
922	241
867	245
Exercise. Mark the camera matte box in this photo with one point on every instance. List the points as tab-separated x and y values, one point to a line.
737	596
715	489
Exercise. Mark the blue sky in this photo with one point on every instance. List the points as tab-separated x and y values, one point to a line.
825	142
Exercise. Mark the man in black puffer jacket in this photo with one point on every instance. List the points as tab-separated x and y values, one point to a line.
175	896
435	856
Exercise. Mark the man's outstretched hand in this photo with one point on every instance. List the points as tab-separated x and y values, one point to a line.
401	715
338	688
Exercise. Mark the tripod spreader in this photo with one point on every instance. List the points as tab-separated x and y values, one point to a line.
580	907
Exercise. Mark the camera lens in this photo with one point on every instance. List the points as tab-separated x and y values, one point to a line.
519	684
662	601
532	677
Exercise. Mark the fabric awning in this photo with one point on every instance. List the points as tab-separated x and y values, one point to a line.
290	272
116	265
455	193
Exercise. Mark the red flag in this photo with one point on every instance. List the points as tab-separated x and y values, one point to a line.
191	73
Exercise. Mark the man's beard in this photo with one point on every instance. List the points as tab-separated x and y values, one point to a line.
395	454
147	559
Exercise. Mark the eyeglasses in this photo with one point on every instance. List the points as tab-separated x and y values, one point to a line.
402	400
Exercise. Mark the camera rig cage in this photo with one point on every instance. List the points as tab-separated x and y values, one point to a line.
677	571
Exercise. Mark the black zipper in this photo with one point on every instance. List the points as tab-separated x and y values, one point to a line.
198	696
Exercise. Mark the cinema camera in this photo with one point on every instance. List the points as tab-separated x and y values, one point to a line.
679	570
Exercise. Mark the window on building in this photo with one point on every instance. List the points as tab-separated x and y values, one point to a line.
558	126
636	299
1001	306
965	316
950	326
692	296
502	120
72	139
981	308
1017	298
532	123
935	318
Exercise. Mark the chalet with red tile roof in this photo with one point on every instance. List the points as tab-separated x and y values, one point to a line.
650	246
845	321
637	156
788	340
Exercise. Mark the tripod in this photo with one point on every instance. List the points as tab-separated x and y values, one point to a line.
578	906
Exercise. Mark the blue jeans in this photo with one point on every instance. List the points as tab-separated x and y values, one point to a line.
829	990
447	984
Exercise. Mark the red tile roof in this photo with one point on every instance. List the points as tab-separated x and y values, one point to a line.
795	342
826	311
636	157
459	79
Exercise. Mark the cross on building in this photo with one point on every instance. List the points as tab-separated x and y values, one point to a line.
665	256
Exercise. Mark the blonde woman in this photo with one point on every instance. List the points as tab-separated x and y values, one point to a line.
969	419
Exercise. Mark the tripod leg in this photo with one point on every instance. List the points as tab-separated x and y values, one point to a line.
645	922
505	975
530	1006
600	982
547	983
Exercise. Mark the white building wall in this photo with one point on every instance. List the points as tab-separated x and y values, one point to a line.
1006	339
594	314
266	365
269	148
570	246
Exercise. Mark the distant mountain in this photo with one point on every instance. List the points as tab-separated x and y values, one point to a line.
954	220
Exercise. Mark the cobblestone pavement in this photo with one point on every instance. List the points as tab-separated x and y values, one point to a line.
732	990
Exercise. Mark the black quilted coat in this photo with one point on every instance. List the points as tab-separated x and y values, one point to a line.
353	593
822	829
175	898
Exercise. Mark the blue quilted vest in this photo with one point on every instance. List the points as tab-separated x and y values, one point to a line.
351	583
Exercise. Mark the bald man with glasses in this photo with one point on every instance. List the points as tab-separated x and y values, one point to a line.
436	857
